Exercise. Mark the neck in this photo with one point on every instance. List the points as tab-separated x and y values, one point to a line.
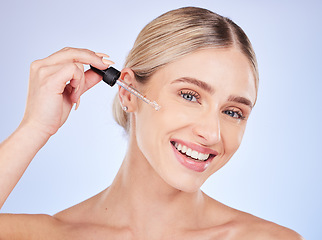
140	198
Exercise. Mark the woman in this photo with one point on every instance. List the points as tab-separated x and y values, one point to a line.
201	69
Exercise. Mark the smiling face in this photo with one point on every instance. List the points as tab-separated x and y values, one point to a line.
205	98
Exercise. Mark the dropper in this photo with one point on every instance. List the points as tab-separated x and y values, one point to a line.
112	76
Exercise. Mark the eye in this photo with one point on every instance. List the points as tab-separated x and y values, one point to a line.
235	114
190	95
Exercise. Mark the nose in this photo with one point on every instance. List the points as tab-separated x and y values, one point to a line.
207	129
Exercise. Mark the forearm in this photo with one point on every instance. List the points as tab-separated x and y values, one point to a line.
55	84
16	153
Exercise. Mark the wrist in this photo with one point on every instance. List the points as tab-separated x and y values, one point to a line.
32	131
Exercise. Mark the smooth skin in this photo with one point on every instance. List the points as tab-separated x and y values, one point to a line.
153	195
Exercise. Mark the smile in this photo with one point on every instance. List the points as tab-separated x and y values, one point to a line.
193	156
191	153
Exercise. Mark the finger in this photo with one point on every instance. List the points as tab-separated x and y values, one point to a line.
77	104
78	89
79	55
91	79
102	55
106	61
67	72
80	66
75	83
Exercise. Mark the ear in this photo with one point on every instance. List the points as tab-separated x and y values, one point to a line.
126	98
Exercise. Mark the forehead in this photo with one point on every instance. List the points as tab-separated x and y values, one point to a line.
226	70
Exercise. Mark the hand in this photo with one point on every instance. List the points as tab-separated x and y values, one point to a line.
56	83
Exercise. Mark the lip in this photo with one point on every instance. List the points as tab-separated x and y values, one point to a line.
190	163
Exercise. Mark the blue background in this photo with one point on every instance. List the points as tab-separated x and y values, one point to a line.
276	173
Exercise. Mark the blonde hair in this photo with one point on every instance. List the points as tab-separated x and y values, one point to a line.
176	34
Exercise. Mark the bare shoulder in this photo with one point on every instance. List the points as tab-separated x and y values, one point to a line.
79	213
240	225
251	227
30	226
41	226
71	223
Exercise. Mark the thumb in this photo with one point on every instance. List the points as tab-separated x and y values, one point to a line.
91	79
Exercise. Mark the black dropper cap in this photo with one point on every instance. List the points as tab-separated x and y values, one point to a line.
110	75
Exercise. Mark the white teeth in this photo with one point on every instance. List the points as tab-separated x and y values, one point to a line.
201	156
184	149
191	153
194	154
204	156
179	147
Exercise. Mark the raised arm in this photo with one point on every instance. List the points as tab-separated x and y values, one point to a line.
55	85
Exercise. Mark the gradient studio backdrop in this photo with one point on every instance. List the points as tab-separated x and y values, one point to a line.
276	173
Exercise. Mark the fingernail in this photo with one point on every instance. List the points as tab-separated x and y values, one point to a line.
107	62
77	104
76	89
102	55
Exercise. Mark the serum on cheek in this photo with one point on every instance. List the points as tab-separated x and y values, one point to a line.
112	76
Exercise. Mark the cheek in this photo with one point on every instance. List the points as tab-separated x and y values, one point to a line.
157	126
145	132
152	131
176	115
232	139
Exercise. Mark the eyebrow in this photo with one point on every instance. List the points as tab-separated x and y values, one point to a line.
241	100
211	90
201	84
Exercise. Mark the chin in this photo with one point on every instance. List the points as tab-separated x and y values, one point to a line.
185	182
189	189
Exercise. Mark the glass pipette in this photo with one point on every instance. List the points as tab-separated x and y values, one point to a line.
112	76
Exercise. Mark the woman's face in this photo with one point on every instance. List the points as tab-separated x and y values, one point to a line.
206	98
